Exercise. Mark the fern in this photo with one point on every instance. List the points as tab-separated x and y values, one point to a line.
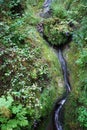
11	115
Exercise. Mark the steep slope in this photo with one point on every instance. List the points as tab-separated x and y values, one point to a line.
72	14
30	79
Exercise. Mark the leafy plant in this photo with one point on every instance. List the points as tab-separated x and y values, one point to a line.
27	73
82	116
12	115
57	32
82	61
80	36
58	10
13	9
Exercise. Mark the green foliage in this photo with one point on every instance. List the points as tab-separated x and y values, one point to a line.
12	116
82	116
27	73
77	58
8	38
80	36
82	61
67	4
71	114
30	15
57	32
78	10
4	102
33	2
11	31
74	12
13	9
58	10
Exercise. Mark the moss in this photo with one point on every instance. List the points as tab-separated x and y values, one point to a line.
71	107
56	32
30	70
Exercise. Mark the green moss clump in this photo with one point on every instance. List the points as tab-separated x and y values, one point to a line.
56	32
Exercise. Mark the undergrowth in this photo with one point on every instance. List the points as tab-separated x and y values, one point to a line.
28	69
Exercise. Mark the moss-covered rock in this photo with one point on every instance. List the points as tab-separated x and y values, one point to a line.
56	32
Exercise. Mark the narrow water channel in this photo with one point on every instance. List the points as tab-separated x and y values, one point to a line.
59	104
56	123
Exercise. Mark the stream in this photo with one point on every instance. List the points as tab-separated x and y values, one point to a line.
56	123
59	104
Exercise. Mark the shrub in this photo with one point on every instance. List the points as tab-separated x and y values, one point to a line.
57	32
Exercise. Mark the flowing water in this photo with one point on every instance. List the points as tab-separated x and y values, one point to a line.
46	5
56	123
